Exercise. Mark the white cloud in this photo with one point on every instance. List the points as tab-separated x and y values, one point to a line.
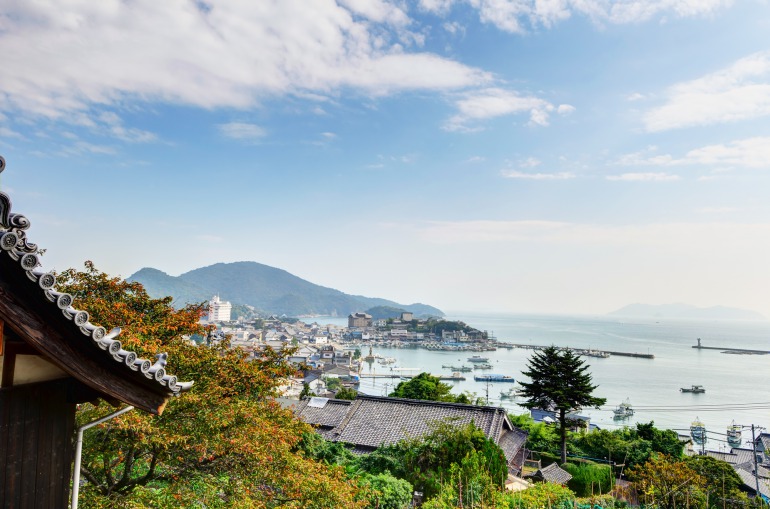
242	131
495	102
519	16
516	174
636	96
530	162
738	92
746	153
565	109
6	132
232	54
644	177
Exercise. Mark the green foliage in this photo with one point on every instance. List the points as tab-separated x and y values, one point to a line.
332	383
357	353
346	393
468	484
426	387
589	479
668	483
386	491
315	447
722	482
384	312
306	391
558	380
541	437
540	495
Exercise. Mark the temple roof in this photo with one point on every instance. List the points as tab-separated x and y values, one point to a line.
48	320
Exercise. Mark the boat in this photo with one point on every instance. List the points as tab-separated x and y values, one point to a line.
478	358
509	394
734	434
387	360
454	376
461	369
698	431
623	410
482	365
493	378
697	389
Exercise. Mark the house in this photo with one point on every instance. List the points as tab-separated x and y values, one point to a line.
52	358
359	320
370	421
552	473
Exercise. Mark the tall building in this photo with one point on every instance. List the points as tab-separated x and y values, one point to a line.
219	310
359	320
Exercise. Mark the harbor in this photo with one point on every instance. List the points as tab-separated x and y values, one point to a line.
745	351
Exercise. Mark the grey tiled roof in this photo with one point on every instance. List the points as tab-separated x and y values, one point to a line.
748	480
728	457
15	245
371	421
553	473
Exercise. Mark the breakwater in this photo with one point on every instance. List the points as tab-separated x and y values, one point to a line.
579	351
746	351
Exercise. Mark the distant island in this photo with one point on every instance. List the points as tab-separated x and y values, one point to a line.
267	290
686	311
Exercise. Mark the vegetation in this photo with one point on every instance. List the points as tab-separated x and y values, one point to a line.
346	393
219	445
430	388
558	381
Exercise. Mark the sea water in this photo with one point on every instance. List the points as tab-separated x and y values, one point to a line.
737	387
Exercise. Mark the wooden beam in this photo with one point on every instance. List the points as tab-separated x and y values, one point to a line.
41	324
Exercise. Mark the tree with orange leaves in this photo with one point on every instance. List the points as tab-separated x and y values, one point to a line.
225	443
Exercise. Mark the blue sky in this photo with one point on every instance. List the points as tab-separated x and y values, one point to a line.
507	155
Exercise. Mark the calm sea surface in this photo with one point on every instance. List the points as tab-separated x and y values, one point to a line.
737	386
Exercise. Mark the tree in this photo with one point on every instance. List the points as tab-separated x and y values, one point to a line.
558	381
426	387
346	393
225	443
668	484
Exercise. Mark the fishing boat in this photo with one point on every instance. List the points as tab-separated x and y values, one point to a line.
623	410
734	434
493	378
478	358
697	389
509	394
482	365
456	376
461	369
698	431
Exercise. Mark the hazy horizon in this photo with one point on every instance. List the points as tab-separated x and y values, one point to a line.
521	156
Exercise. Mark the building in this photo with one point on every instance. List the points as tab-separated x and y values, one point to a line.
407	316
359	320
219	310
52	358
370	421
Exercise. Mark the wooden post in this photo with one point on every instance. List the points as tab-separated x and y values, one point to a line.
2	338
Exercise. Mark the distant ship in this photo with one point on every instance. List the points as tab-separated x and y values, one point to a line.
478	358
493	378
697	389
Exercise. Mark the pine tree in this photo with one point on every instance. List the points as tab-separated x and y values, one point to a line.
559	382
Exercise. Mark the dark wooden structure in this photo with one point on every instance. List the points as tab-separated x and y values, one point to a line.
51	358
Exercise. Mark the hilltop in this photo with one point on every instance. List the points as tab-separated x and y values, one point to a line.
679	310
268	289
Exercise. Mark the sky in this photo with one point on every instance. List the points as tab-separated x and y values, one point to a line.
523	156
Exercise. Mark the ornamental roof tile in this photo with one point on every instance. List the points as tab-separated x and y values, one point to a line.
24	256
553	473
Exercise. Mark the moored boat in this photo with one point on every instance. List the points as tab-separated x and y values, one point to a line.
698	431
697	389
482	365
734	434
493	378
478	358
461	369
509	394
623	410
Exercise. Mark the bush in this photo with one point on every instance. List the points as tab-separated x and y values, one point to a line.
589	479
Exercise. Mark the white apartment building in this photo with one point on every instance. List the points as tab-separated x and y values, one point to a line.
219	310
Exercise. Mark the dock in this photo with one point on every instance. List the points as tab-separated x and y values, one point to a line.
734	350
394	375
540	347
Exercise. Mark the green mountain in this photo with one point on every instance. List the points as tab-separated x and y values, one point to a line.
266	288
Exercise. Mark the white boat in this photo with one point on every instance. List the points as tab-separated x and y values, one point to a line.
734	434
623	410
478	358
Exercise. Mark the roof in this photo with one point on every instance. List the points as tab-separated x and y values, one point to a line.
553	473
48	320
371	421
750	483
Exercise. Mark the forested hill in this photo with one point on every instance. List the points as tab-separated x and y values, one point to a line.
268	289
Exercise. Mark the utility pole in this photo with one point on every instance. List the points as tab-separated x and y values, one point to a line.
756	472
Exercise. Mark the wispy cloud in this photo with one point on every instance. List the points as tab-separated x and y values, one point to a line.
490	103
242	131
520	16
644	177
516	174
738	92
746	153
